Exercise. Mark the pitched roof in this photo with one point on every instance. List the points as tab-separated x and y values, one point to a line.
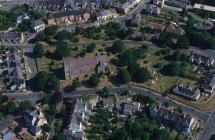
36	23
66	14
156	26
203	58
84	65
187	91
10	35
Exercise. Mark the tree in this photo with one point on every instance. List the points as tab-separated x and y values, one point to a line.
91	47
183	42
25	105
38	51
41	36
76	84
171	69
41	80
124	76
106	91
53	82
166	104
62	50
59	137
117	47
51	30
94	80
63	35
10	107
56	98
46	128
176	56
143	75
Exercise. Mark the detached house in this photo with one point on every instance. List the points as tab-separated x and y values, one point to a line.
34	121
171	118
68	17
187	91
130	108
76	67
38	25
156	26
174	29
201	59
22	17
106	15
128	5
158	2
152	9
107	103
12	37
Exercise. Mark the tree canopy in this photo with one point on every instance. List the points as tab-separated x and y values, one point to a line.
25	105
94	80
117	47
62	50
124	76
39	51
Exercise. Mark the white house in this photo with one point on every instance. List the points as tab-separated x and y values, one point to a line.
38	25
22	17
106	15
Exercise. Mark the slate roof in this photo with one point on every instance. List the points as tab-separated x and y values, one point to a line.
206	60
156	26
37	23
8	135
182	122
187	91
35	129
66	14
84	65
10	35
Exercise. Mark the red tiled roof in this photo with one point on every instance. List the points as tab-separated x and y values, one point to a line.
156	26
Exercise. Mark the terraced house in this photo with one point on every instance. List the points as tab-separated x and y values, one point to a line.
68	17
173	119
12	37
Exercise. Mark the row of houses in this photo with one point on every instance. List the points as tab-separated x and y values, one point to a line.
68	17
171	118
11	68
46	4
12	37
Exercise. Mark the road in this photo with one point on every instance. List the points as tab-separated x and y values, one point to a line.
134	90
207	118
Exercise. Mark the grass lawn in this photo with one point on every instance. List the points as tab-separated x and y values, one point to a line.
162	83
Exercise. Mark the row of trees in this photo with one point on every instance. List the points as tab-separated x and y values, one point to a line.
62	50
